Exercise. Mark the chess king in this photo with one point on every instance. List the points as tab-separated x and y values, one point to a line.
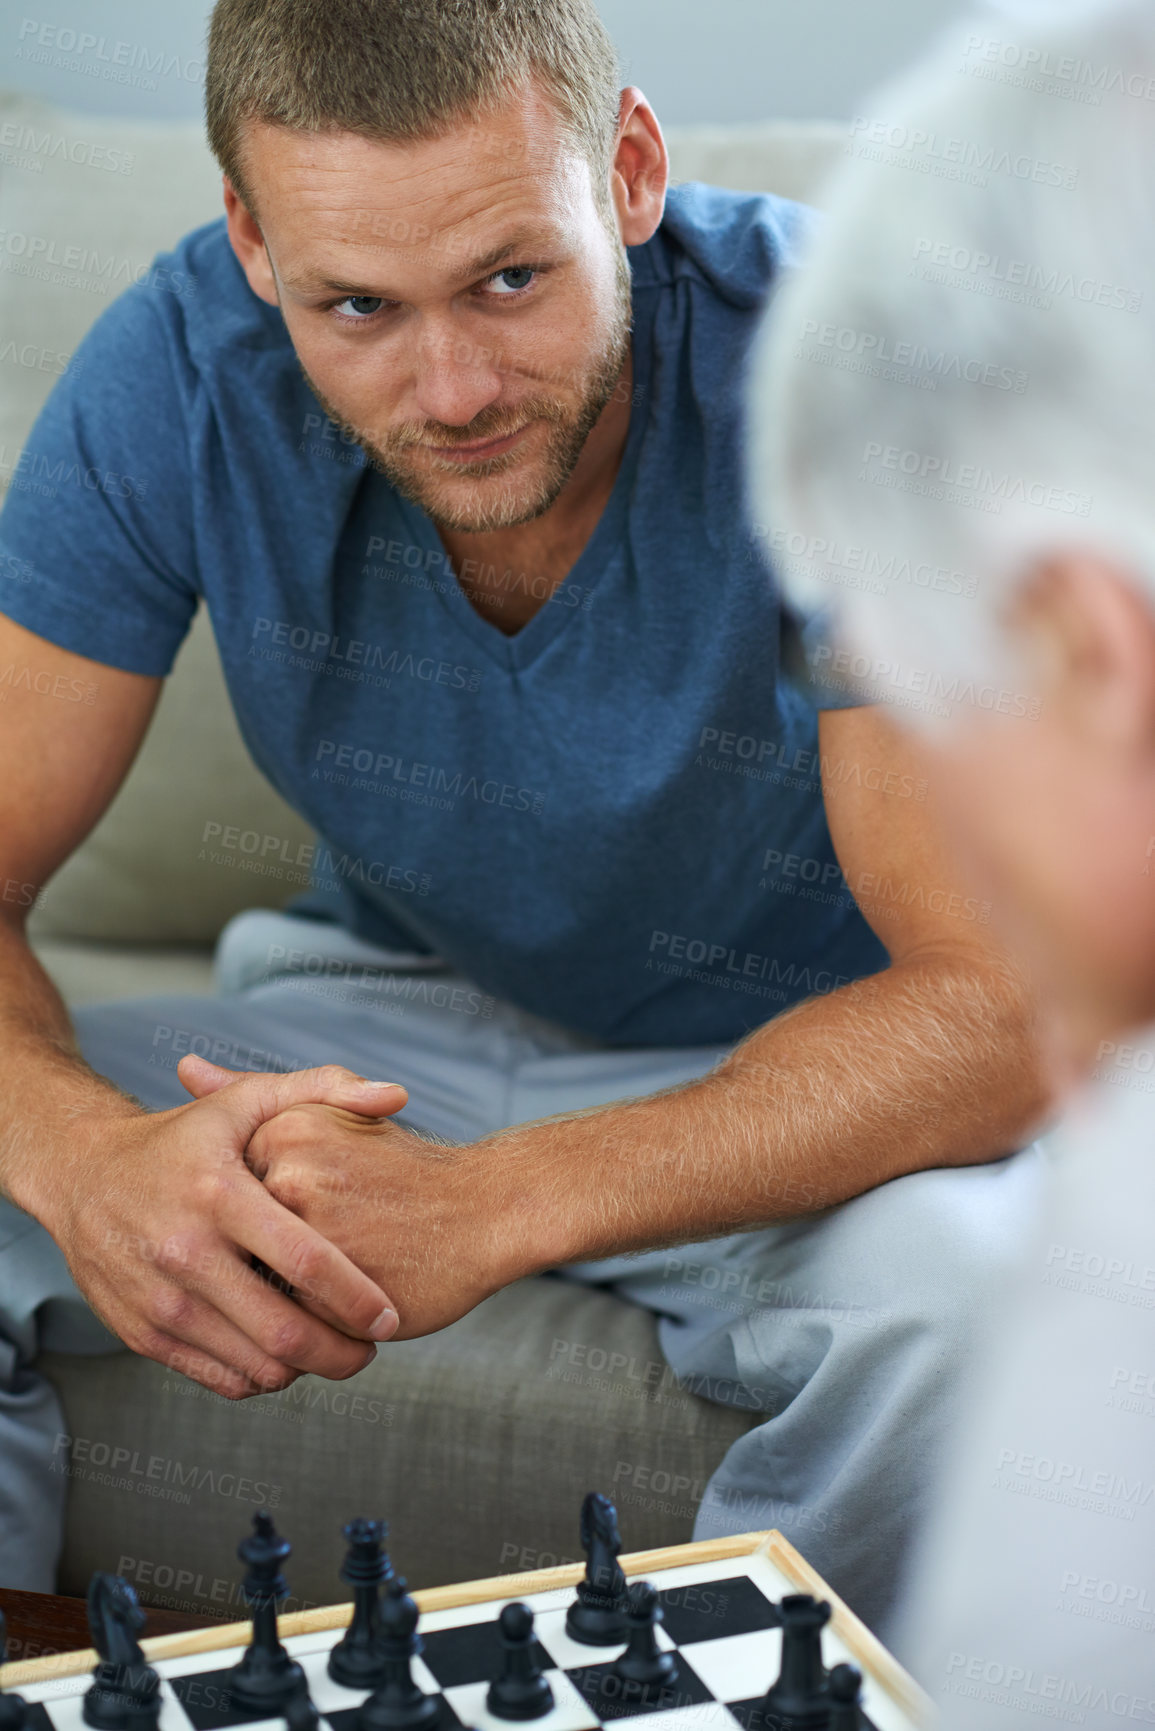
444	422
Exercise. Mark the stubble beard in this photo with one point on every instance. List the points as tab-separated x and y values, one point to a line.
568	429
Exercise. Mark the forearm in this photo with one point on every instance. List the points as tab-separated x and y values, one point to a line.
931	1063
51	1096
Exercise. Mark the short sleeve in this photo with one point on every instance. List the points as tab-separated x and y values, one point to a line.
96	544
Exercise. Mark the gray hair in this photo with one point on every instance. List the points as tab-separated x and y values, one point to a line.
962	377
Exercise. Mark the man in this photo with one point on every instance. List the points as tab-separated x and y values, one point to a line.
454	224
1037	1591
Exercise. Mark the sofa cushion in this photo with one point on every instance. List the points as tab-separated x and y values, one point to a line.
88	973
477	1445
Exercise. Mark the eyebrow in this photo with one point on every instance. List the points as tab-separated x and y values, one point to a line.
483	265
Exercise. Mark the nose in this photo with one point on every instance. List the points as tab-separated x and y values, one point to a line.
456	377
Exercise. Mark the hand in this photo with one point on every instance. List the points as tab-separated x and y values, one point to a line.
160	1220
407	1211
426	1220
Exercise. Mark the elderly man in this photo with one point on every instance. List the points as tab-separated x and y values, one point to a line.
1037	1592
507	656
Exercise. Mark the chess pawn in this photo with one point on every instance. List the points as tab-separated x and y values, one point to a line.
355	1661
266	1678
643	1660
845	1684
397	1703
300	1713
520	1691
798	1701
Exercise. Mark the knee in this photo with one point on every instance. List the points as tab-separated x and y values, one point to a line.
937	1247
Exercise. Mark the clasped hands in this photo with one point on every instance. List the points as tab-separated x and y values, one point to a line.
173	1223
421	1219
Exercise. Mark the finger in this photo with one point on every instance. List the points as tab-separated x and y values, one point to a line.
223	1310
322	1276
331	1085
210	1352
286	1329
211	1373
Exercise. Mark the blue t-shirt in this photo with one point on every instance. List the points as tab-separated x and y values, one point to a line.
614	818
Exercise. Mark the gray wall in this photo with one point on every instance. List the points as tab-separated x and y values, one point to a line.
697	60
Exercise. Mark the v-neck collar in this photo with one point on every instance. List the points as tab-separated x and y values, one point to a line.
524	647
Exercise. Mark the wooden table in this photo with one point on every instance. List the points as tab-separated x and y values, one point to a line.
42	1623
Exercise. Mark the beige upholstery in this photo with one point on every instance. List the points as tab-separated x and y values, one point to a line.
479	1443
488	1437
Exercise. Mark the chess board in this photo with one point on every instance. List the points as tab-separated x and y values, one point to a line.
719	1602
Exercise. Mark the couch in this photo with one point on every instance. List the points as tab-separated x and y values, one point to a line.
478	1442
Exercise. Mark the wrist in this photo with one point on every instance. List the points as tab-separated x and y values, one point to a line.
41	1156
526	1205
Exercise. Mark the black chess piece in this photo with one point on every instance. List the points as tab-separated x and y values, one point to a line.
266	1679
300	1713
643	1660
598	1614
356	1659
799	1701
124	1694
13	1712
845	1685
13	1707
397	1703
519	1691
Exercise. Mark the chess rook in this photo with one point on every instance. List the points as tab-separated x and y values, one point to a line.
598	1614
266	1678
799	1701
355	1661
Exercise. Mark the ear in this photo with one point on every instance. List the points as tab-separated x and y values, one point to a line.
1090	630
248	243
641	170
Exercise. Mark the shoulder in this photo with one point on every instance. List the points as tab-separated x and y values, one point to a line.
193	309
736	243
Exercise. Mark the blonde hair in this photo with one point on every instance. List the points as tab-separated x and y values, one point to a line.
400	71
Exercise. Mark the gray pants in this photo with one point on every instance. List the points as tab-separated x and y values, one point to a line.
849	1329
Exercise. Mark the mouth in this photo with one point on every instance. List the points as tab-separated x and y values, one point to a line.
479	453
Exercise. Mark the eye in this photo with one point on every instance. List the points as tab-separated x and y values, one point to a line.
511	281
364	306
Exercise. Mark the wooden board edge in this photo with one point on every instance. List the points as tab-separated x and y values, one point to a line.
324	1617
868	1650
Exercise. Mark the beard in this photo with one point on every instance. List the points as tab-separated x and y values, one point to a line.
520	500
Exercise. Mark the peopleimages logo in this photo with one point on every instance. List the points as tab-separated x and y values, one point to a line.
937	364
1020	277
117	59
953	158
973	478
